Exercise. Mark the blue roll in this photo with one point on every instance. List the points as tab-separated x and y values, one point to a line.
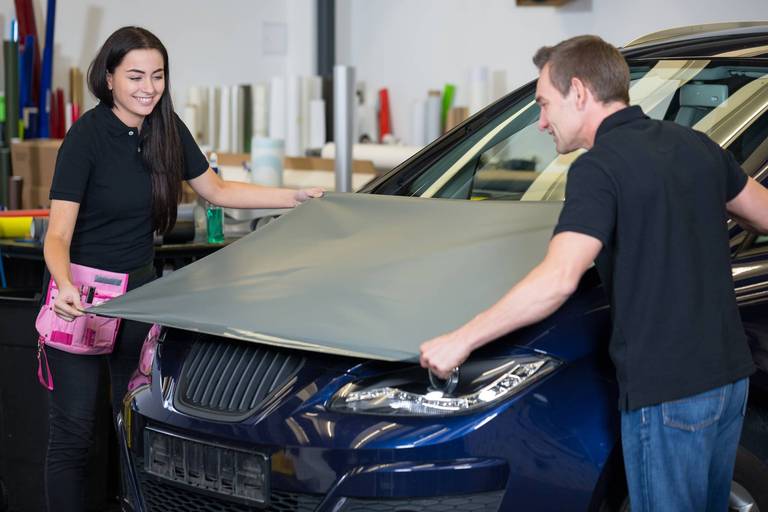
44	108
26	69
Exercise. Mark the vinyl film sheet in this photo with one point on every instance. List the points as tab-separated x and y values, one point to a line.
353	274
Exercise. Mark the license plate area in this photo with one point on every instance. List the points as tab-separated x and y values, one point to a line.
241	475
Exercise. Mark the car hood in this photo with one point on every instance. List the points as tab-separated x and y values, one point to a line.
353	274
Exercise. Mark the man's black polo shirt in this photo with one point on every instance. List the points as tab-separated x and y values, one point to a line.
654	194
99	165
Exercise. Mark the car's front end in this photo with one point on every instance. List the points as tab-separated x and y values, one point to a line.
232	425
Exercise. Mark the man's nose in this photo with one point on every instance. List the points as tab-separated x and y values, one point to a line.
543	121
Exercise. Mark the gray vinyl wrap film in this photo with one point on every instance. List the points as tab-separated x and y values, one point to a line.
353	274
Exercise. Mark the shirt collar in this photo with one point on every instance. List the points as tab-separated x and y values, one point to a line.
114	125
618	118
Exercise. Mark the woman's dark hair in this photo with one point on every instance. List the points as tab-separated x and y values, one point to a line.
160	143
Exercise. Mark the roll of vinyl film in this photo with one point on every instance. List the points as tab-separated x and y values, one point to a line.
267	161
225	113
293	127
260	110
432	122
479	89
15	227
277	108
316	124
15	189
418	123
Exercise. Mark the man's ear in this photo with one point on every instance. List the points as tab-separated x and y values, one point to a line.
581	92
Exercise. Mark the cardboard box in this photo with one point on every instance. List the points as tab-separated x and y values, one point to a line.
23	161
35	160
48	150
299	163
40	197
35	197
187	194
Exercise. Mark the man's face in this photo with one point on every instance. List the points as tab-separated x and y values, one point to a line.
559	114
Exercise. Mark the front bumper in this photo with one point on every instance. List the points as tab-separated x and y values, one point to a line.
361	489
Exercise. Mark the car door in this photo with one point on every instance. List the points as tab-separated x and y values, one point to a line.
750	250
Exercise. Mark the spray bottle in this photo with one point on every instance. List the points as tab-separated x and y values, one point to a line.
213	213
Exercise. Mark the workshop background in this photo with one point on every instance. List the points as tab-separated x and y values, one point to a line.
244	72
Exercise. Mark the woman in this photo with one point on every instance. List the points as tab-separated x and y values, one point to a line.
118	179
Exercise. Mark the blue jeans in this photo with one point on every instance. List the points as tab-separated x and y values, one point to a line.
679	455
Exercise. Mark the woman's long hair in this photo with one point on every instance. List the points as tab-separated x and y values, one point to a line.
160	143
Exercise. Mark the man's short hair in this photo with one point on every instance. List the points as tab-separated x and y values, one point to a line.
590	59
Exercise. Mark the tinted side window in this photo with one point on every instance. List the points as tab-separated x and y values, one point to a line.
751	147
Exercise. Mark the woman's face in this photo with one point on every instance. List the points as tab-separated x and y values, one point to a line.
136	85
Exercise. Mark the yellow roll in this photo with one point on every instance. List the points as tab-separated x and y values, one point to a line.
15	227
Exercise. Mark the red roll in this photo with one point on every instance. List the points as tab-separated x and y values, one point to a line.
61	119
385	118
24	213
52	113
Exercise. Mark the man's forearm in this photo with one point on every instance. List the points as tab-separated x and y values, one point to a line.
749	226
537	296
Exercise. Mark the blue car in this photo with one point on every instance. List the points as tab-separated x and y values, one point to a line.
231	425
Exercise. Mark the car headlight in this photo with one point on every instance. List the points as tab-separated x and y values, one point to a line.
408	392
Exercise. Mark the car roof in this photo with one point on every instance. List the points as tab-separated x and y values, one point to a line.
747	39
735	40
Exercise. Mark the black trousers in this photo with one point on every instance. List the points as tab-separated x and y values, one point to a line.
72	406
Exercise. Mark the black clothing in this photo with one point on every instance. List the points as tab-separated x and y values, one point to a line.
654	193
99	165
73	403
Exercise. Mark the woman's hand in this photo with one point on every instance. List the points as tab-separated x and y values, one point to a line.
305	194
67	304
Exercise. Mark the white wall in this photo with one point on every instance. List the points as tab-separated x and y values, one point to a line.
411	46
208	42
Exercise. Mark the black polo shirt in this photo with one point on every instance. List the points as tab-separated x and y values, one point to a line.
99	165
654	193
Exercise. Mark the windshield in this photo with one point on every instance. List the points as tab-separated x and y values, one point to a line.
510	159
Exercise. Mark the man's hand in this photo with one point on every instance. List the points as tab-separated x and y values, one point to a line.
305	194
442	354
750	207
67	303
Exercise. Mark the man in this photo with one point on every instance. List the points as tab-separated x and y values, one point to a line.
648	202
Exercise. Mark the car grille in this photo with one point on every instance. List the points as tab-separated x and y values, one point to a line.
160	496
485	502
228	380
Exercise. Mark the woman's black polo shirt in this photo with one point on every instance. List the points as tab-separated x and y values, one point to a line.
654	194
99	165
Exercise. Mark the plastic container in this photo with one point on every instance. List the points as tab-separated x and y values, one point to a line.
214	215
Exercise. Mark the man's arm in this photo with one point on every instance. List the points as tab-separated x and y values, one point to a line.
535	297
750	207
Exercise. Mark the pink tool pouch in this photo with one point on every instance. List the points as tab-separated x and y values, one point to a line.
88	334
